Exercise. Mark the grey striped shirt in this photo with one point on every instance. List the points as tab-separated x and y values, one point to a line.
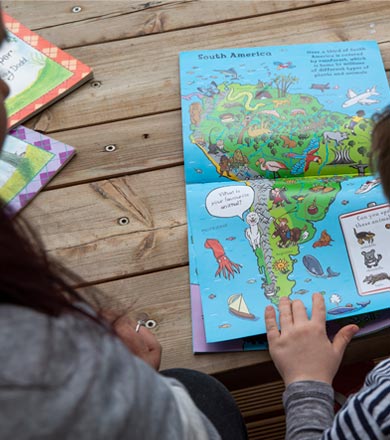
365	415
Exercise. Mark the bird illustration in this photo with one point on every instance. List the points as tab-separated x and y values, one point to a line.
306	158
211	90
271	165
281	65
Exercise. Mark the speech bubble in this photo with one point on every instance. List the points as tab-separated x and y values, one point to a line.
229	201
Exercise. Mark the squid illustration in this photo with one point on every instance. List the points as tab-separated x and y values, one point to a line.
226	267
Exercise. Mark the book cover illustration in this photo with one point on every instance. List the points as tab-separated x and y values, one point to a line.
270	150
28	161
37	72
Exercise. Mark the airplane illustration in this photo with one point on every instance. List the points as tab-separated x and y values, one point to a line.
361	98
281	65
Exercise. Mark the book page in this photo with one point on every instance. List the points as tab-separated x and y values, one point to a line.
37	72
366	237
28	161
280	111
28	72
20	162
255	242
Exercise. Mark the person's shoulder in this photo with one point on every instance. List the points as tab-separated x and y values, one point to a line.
51	346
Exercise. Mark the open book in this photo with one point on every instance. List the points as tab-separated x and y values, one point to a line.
280	199
37	72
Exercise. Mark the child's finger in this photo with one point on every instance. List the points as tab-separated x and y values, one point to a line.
270	324
285	313
149	339
343	337
299	311
318	310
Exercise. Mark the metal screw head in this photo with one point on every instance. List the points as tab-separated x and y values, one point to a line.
123	221
76	9
96	84
150	323
110	147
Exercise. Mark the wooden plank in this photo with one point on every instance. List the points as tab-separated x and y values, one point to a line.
141	144
120	20
269	429
79	224
60	12
164	297
146	81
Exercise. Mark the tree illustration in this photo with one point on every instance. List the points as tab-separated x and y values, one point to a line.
283	83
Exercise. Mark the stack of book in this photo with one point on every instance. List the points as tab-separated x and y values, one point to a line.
38	73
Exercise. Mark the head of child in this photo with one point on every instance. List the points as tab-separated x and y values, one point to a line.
380	149
4	90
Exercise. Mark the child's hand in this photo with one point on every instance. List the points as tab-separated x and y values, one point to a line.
142	343
301	349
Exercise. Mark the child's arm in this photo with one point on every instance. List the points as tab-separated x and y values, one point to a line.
307	362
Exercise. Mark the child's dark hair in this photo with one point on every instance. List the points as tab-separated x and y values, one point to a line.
380	148
28	278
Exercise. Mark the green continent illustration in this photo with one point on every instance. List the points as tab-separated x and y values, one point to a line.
258	133
253	131
286	220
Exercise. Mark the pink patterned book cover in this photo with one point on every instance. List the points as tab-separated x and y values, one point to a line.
28	161
37	72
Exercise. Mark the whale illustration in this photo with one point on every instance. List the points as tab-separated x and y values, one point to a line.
348	308
314	267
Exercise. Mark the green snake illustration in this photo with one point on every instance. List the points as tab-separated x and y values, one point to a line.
249	96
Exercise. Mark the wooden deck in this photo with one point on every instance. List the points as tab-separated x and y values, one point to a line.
133	102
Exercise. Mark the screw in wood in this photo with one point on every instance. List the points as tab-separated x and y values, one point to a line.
150	323
76	9
123	221
96	84
110	147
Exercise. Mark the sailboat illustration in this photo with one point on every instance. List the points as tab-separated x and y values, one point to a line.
238	307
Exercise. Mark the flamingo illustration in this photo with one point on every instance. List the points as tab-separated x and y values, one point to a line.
306	158
271	165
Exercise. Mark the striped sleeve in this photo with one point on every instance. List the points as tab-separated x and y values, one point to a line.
365	415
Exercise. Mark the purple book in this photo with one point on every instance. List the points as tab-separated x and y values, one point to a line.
28	161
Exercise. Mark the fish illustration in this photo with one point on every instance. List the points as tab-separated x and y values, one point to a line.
212	296
307	280
251	281
301	292
314	267
225	325
230	238
198	170
229	72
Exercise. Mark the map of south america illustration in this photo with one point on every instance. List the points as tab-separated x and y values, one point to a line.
277	146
